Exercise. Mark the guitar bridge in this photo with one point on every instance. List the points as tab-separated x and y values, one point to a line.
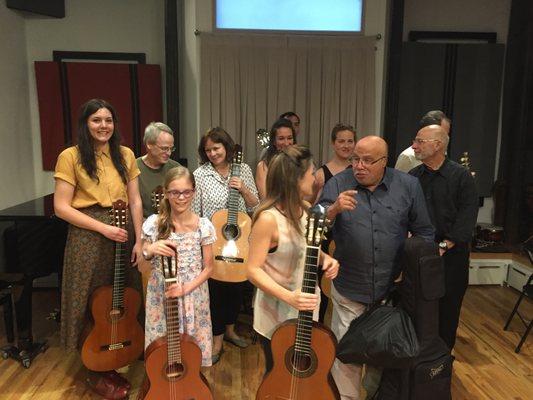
230	259
115	346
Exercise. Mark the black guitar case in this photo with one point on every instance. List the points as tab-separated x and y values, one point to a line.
429	376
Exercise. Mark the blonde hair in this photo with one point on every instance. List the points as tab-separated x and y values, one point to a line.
164	221
284	172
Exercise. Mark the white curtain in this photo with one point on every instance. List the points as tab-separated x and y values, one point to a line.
246	82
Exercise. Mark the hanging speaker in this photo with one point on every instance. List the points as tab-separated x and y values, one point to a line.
51	8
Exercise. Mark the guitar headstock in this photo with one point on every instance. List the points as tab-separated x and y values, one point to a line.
317	224
157	196
237	154
465	162
170	269
119	214
263	137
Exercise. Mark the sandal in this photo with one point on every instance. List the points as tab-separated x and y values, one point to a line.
216	357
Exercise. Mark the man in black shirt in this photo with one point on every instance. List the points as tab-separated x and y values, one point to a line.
452	202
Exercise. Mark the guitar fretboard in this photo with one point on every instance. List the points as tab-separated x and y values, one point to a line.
234	195
172	315
304	325
118	281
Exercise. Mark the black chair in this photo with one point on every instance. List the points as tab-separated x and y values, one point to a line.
527	291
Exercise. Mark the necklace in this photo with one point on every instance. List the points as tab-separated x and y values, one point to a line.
226	176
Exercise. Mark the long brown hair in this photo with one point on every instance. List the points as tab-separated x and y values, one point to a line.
85	141
164	220
284	172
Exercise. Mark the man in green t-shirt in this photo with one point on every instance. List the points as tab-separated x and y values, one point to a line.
159	142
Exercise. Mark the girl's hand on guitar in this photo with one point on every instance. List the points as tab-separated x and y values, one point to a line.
163	248
177	290
303	301
236	183
114	233
330	267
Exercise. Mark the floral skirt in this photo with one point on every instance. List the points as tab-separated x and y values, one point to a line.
89	263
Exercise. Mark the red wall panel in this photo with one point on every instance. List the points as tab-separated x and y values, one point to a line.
108	81
150	98
83	81
47	77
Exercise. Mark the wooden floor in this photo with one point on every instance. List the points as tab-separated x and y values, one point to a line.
486	366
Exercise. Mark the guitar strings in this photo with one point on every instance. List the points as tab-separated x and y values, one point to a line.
300	354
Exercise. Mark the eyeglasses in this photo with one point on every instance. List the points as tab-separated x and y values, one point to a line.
176	194
420	141
166	149
365	161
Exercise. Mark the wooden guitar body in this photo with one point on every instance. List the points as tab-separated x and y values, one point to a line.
117	338
178	381
231	248
311	378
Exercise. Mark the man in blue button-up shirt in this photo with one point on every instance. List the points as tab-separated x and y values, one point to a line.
373	208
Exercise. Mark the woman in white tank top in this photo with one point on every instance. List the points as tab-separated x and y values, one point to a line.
277	245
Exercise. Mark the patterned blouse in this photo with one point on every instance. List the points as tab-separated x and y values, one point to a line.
212	190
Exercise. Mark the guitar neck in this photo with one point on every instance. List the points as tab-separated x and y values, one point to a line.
173	324
173	333
234	195
119	278
305	318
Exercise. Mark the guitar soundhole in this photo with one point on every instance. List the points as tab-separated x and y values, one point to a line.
115	314
300	364
174	370
231	232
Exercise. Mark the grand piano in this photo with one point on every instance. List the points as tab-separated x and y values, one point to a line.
32	245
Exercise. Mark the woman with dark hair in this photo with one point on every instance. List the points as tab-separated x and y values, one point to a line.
277	245
213	181
281	136
343	140
89	177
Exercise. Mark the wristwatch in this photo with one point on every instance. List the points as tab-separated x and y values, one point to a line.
145	255
443	245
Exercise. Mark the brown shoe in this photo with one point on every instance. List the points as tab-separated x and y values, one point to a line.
117	378
106	387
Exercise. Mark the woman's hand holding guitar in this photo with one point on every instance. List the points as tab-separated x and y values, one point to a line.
303	301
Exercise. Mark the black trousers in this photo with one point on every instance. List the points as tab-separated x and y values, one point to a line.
225	300
456	262
267	350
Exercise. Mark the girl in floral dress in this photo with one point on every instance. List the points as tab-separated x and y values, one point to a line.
177	229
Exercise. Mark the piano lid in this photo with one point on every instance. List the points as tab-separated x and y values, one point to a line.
41	208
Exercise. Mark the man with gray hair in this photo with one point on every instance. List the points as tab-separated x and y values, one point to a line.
452	203
407	160
159	143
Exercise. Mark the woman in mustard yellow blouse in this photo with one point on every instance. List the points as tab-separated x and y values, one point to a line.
89	177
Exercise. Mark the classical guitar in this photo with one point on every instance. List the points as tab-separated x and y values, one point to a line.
303	350
173	362
116	339
233	229
157	196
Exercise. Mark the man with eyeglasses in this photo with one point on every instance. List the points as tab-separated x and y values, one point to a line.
159	142
452	202
372	208
406	160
